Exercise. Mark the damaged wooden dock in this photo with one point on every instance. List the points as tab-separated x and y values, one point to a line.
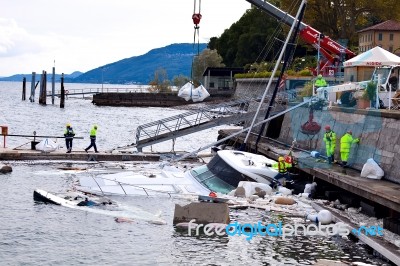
383	192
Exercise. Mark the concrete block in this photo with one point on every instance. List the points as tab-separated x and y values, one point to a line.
202	212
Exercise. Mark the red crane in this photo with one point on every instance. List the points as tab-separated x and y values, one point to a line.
333	51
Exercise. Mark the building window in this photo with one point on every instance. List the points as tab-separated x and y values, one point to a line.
391	36
380	37
211	84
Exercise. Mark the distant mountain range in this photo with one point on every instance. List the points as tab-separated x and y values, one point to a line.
176	59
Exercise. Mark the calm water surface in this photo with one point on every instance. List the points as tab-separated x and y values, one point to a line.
39	234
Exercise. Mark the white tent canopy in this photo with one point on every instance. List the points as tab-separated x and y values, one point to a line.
374	57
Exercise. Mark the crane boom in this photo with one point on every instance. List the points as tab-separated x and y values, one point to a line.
307	33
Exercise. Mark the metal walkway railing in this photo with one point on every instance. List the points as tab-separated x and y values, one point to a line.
197	120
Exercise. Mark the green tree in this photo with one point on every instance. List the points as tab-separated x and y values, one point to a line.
341	19
160	83
244	42
180	80
207	58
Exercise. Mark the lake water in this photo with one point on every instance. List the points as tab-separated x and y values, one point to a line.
39	234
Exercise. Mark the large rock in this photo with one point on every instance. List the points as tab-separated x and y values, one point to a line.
240	192
284	201
260	192
202	212
5	169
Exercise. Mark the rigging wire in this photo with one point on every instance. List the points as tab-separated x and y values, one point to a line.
251	93
273	73
289	54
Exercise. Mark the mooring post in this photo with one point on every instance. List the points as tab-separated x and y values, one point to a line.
62	91
45	88
32	97
42	94
41	89
53	85
24	89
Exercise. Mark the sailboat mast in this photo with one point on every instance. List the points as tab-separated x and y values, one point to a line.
275	69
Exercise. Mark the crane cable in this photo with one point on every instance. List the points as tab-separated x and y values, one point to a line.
196	17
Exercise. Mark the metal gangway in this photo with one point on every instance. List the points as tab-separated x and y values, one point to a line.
196	120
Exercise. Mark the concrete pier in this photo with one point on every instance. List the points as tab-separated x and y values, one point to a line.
9	155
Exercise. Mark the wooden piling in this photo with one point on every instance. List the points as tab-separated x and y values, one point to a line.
24	89
62	91
43	88
33	87
53	85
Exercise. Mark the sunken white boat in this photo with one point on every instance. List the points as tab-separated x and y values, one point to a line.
222	175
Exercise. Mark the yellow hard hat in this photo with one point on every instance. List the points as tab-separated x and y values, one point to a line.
281	159
68	125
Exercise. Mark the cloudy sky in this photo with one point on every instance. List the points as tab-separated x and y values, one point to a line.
85	34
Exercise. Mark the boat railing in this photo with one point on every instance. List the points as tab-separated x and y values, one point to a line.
121	184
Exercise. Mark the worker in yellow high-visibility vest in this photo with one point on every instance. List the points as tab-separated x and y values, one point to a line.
345	145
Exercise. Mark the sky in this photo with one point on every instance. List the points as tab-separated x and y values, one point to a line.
80	35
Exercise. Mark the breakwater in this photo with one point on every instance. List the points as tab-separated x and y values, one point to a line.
151	99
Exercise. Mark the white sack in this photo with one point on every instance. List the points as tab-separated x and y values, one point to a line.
199	94
47	145
186	91
372	170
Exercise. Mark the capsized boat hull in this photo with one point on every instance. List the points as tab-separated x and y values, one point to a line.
102	206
